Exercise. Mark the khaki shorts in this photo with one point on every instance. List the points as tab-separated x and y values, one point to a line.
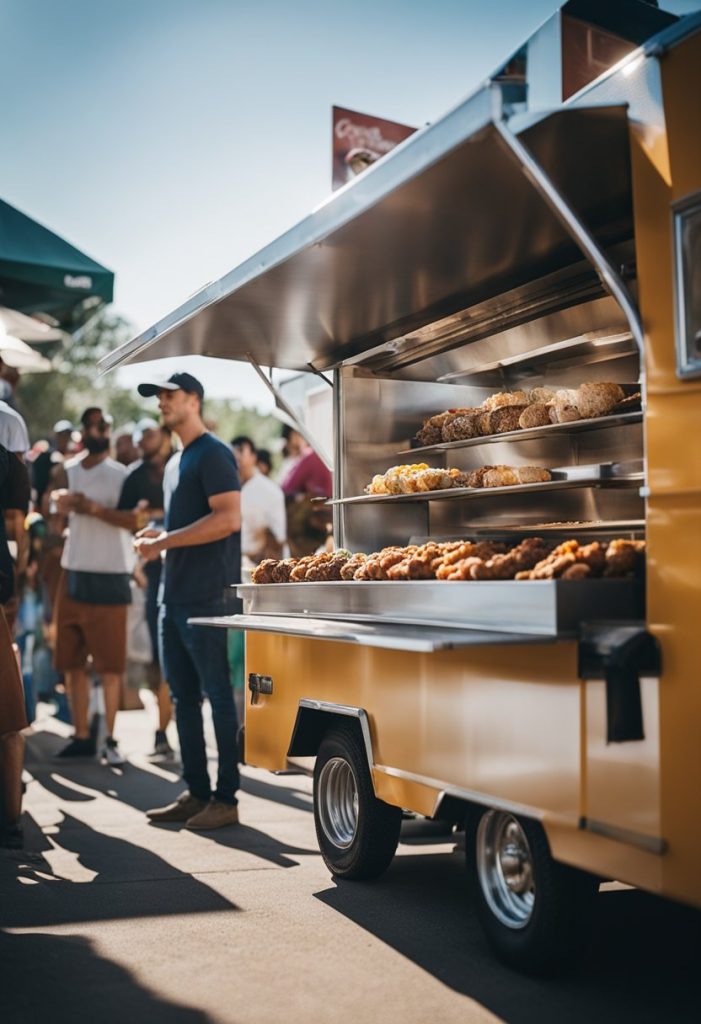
84	629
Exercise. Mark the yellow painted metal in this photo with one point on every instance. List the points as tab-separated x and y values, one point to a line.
673	427
515	725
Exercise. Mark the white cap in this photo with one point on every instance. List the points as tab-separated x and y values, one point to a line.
147	423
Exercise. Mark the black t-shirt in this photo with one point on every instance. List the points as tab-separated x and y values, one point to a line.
144	482
205	572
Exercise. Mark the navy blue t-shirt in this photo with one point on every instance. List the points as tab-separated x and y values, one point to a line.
205	572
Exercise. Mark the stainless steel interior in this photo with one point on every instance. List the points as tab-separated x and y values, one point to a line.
380	411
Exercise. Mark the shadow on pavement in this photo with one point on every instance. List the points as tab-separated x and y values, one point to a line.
642	964
252	840
58	978
299	799
130	784
31	895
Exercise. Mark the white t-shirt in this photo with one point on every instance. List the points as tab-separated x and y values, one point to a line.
262	508
13	430
94	546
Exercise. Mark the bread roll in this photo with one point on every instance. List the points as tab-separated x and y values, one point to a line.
535	415
461	427
500	420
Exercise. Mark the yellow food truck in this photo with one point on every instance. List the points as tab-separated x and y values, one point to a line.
538	245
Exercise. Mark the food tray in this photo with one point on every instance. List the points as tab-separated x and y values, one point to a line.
534	607
574	427
607	474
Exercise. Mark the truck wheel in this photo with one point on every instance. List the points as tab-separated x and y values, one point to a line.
357	833
534	911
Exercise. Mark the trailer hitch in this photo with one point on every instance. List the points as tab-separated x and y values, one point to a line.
620	654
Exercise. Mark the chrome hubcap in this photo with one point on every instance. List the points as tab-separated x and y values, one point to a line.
505	868
337	802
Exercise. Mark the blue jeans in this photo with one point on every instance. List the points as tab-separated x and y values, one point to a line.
195	664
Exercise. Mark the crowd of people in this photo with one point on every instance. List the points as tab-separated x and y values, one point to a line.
110	543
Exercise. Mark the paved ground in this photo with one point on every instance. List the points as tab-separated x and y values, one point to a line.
113	919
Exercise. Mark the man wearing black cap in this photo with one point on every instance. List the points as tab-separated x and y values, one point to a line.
201	543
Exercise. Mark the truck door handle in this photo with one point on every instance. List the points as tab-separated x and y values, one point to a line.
259	684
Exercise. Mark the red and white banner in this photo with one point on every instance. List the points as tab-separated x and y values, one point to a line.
359	140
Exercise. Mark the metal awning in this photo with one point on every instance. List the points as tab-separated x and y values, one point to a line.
44	275
445	221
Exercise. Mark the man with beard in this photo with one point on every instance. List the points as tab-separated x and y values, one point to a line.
93	594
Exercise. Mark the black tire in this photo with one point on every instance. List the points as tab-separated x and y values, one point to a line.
371	834
556	925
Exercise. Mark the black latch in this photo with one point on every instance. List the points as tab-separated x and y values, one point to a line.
259	684
620	653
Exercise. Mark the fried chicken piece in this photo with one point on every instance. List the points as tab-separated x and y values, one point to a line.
461	570
352	565
263	573
416	564
523	557
299	572
535	415
623	557
282	570
561	562
578	571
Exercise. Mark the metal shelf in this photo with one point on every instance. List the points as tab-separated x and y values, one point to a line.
563	479
576	427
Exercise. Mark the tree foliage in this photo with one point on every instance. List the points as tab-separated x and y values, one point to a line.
44	398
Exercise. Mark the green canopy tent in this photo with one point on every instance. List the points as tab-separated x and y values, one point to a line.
43	275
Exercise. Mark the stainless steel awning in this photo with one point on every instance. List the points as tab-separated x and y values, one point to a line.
445	221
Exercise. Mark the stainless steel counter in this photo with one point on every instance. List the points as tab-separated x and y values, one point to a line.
535	607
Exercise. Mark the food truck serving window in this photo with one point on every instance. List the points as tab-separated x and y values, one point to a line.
687	268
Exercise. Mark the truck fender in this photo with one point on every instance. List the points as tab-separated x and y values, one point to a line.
316	717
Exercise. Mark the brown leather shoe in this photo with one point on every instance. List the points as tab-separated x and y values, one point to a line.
184	808
214	815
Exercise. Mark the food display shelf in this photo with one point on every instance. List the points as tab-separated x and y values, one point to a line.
575	427
553	608
609	474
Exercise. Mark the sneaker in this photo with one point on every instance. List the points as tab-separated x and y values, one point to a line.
215	814
12	837
183	809
162	750
110	753
79	748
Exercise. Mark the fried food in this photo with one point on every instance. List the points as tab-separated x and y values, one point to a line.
263	573
623	557
519	559
532	559
567	560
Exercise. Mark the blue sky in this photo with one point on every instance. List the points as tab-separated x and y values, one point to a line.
171	139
